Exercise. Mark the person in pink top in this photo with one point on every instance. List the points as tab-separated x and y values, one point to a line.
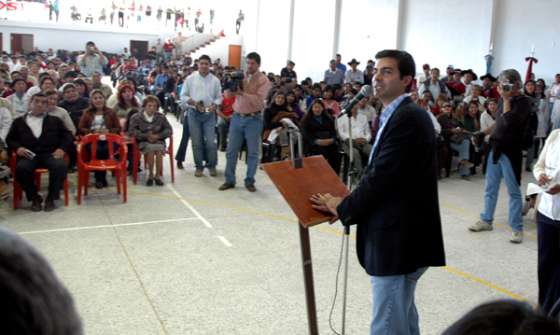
247	123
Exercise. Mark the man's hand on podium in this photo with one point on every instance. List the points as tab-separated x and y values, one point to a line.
326	203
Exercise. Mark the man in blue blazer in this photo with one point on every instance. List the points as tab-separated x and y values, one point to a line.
395	206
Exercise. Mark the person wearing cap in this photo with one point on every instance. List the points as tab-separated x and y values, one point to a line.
449	74
354	75
92	60
489	87
288	71
469	78
506	155
333	76
455	85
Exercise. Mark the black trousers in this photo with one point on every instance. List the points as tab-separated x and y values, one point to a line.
549	262
25	174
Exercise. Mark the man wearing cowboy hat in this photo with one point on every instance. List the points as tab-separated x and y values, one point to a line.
354	75
489	87
469	78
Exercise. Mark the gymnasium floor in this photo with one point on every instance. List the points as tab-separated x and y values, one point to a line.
188	259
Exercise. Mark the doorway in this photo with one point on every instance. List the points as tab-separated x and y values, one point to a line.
139	49
234	58
22	43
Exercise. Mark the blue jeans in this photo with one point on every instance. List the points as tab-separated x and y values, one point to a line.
494	174
464	154
182	151
202	127
394	310
248	128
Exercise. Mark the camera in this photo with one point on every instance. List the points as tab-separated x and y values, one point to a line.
233	80
506	86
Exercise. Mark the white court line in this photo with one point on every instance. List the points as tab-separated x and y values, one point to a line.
189	206
104	226
224	241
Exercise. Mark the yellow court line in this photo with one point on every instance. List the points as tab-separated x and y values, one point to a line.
338	232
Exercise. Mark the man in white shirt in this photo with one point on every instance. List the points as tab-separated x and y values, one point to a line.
353	75
17	99
361	136
201	95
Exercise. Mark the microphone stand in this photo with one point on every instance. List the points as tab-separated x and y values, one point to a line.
346	237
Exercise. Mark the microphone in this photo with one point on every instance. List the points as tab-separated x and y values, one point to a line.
366	91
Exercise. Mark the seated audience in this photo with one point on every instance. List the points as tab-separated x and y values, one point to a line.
17	99
39	140
272	120
126	101
330	103
54	110
319	134
434	84
456	136
151	128
99	119
361	137
73	103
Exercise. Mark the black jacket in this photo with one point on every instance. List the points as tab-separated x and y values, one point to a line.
75	109
395	206
54	136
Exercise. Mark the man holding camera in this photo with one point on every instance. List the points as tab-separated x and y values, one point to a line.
247	123
505	156
92	60
202	94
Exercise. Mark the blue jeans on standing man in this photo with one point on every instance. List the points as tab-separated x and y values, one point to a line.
494	174
202	127
248	128
394	309
182	150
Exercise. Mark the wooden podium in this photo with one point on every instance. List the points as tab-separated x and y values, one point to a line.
297	185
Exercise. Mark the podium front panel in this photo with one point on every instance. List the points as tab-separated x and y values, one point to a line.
298	185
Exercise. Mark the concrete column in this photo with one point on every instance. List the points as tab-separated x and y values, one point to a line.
337	16
291	28
401	18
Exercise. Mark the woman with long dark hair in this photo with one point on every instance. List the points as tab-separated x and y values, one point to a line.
99	119
319	134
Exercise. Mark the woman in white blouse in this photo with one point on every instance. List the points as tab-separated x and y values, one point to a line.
547	173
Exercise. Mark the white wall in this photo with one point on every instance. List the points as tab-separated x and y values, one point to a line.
444	32
521	24
367	26
72	39
219	49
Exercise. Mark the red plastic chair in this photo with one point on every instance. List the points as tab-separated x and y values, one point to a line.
117	165
136	160
18	192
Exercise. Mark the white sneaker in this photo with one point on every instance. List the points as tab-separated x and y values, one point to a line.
481	226
516	237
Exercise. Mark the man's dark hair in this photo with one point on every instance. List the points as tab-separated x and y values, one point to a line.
504	317
37	95
90	43
33	300
254	56
42	80
405	63
206	58
17	80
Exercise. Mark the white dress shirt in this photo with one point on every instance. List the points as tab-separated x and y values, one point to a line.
35	123
19	105
360	127
549	164
206	89
486	121
5	122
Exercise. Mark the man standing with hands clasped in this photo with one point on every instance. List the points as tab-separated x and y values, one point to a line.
202	93
395	205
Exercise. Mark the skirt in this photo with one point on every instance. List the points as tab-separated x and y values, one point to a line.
147	147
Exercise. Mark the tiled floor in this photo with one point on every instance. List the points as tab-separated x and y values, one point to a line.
188	259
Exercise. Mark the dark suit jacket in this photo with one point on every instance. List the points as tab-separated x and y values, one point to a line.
54	136
395	206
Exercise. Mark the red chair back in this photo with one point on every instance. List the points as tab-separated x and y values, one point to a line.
113	141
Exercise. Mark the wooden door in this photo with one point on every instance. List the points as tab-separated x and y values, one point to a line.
22	43
234	58
139	49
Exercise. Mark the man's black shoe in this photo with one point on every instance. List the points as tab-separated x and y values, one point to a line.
37	203
49	205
